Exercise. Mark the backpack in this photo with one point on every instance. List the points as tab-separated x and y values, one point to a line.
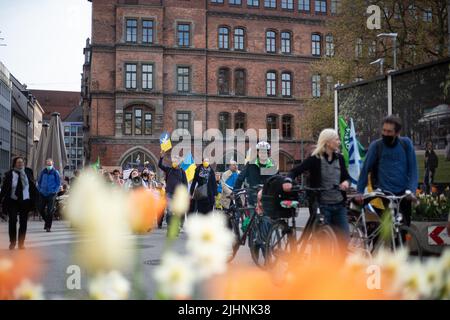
374	170
273	194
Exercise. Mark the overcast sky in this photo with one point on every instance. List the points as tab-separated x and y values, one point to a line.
45	41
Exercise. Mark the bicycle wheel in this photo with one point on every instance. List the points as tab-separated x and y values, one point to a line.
408	238
321	242
234	226
256	242
279	242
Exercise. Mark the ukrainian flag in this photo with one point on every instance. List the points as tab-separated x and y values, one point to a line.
165	142
188	165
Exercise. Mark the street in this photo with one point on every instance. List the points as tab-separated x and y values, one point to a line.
55	250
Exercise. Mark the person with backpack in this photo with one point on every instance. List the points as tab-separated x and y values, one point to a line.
392	164
49	183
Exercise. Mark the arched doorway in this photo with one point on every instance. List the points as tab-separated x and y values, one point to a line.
286	162
138	158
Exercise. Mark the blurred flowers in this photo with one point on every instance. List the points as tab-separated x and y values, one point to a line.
109	286
175	277
27	290
146	207
102	215
180	203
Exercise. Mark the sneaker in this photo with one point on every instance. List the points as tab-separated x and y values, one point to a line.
48	229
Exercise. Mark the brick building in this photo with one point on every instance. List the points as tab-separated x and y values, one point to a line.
158	65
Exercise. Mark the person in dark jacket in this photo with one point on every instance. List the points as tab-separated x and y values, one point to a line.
431	164
327	171
18	196
204	176
174	176
257	172
49	183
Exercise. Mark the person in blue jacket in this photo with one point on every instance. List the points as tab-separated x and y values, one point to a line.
49	183
392	164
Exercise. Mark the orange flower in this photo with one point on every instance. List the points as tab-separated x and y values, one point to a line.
323	278
14	268
146	207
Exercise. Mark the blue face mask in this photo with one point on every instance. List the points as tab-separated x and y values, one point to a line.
49	168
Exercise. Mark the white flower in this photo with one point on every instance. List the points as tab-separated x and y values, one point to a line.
175	276
109	286
434	274
412	283
27	290
179	204
209	262
357	261
102	215
390	262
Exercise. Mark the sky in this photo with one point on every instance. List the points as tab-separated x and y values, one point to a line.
44	41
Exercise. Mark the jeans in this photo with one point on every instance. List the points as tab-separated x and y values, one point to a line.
47	202
336	216
20	208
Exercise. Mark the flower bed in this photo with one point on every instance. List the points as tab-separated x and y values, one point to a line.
432	207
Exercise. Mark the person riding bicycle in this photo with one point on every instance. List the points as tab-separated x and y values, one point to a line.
327	170
391	162
258	171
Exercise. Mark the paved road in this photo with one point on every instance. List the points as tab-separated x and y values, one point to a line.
55	248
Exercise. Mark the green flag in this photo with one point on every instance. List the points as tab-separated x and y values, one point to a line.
96	165
344	133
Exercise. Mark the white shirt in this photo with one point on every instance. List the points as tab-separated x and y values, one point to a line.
26	189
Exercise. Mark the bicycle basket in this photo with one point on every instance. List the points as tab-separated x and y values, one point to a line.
273	208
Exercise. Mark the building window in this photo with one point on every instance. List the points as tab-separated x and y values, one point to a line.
428	15
286	84
235	2
184	120
359	48
304	5
271	39
329	45
147	31
253	3
131	30
316	44
147	76
239	82
183	79
270	3
286	42
287	4
286	129
148	123
330	85
334	6
271	124
184	34
224	38
271	83
216	1
130	75
316	86
239	34
224	122
224	81
137	121
372	49
240	121
320	6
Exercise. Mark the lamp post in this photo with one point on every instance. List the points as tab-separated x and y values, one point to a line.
394	40
381	62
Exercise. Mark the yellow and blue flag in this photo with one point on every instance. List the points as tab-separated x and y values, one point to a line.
165	142
188	165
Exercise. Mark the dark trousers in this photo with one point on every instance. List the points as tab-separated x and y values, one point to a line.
429	179
20	208
46	207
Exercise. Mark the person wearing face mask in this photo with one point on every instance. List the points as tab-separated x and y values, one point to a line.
145	178
49	183
175	176
18	195
204	188
392	164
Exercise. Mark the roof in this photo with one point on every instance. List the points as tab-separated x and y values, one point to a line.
63	102
76	115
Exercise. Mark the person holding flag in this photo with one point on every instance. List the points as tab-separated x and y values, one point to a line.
174	176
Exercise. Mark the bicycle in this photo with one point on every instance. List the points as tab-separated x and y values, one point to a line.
368	237
316	238
251	223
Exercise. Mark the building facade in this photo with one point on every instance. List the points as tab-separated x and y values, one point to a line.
154	66
5	119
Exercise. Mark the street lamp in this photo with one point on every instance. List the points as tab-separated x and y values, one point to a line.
394	39
381	62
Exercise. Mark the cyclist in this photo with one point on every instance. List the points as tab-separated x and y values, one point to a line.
327	170
258	171
391	162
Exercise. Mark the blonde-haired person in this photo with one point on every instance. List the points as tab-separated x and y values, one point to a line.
327	170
